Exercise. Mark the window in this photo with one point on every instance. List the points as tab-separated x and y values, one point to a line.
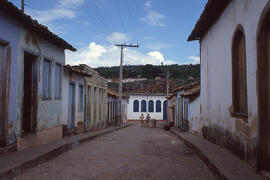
239	79
143	106
151	106
158	106
57	81
81	98
136	106
46	79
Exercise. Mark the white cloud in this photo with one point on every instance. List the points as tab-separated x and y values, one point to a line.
195	59
96	55
154	18
158	46
117	38
63	9
47	16
70	3
148	4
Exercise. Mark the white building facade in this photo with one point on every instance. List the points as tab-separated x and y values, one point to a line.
234	100
154	104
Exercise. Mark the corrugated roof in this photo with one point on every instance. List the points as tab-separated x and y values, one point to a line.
33	25
211	13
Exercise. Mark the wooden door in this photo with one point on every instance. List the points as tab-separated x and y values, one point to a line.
71	106
263	48
4	74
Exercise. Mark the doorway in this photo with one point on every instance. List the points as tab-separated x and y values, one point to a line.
71	106
4	76
29	122
165	110
87	109
263	48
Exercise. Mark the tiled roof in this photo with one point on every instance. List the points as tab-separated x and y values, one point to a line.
211	13
69	68
192	92
184	87
33	25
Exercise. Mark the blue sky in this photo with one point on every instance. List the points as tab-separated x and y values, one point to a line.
160	27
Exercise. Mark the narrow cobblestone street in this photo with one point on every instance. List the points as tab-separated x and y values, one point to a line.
130	153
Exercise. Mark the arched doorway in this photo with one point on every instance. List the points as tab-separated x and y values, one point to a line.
165	110
263	64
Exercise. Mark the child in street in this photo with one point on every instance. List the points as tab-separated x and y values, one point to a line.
142	121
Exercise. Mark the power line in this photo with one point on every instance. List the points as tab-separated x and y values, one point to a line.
120	17
131	20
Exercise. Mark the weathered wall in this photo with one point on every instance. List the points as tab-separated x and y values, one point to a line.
216	79
136	115
9	31
194	117
77	80
49	111
178	112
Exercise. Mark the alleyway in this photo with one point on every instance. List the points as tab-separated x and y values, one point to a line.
130	153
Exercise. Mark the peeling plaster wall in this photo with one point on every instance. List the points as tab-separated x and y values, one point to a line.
136	115
9	31
216	79
77	80
49	112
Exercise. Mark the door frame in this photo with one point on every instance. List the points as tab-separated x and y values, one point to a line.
72	120
5	111
262	161
36	76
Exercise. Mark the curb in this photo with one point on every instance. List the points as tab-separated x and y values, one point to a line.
224	166
203	157
15	171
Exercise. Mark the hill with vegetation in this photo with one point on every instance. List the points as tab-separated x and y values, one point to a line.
155	75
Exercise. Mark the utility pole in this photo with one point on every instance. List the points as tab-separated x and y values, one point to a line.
168	74
122	46
22	5
167	93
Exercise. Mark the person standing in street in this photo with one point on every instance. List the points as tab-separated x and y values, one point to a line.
142	121
147	120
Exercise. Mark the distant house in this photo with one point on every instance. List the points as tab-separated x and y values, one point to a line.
181	108
153	104
235	87
128	80
112	101
32	59
85	105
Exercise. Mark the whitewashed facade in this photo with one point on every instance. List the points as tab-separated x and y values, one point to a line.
246	135
156	112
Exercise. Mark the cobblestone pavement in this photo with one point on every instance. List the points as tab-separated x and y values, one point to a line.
130	153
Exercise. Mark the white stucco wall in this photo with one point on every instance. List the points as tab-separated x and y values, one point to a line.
216	66
154	115
194	116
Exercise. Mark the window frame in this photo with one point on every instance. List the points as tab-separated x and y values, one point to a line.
238	74
49	97
60	81
80	98
135	110
149	106
145	106
158	101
